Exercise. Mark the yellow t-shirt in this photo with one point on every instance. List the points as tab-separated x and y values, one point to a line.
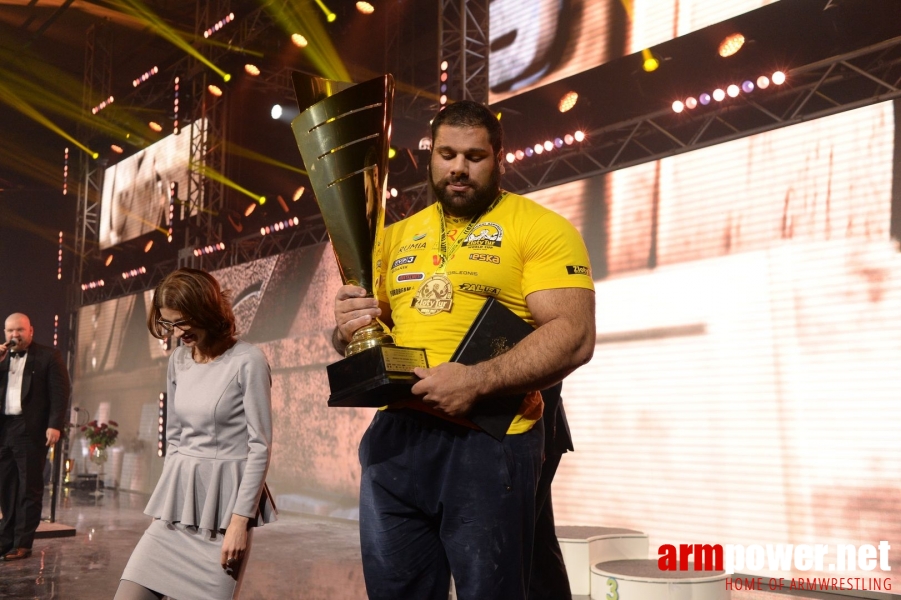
517	248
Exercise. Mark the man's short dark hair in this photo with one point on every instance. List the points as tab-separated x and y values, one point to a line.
467	113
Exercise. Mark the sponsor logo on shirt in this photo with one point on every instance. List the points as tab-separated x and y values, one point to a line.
469	273
578	270
409	247
480	289
485	257
403	260
485	235
401	290
410	277
418	237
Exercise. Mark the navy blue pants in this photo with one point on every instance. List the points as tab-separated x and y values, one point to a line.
438	498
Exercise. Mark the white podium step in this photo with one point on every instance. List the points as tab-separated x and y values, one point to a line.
583	547
642	580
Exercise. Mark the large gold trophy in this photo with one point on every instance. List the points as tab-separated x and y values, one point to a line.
343	133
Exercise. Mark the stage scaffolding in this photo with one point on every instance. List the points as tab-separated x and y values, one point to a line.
840	83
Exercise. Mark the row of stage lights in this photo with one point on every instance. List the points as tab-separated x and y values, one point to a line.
134	272
93	285
280	226
547	146
719	94
219	25
103	105
209	249
145	76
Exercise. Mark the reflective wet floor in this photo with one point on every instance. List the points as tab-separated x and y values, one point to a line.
297	557
302	557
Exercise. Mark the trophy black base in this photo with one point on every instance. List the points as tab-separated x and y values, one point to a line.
374	377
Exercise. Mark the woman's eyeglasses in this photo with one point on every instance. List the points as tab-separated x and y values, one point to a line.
169	326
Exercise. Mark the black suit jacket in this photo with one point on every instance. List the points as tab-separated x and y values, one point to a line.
45	391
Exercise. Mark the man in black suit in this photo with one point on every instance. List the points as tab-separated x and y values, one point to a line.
34	397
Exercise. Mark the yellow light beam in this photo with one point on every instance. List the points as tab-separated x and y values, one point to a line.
8	97
236	150
211	173
141	11
300	17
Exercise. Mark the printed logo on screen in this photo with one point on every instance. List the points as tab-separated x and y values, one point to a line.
403	260
410	277
478	288
495	260
578	270
401	290
485	235
848	559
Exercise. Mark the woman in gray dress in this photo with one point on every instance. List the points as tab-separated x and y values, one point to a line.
212	491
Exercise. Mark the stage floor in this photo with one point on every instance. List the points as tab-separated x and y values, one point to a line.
302	557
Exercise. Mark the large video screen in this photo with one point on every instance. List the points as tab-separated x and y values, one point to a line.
536	42
135	196
744	384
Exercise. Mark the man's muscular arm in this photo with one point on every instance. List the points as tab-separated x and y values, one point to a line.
563	341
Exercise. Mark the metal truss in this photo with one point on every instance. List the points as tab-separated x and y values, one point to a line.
463	43
844	82
117	287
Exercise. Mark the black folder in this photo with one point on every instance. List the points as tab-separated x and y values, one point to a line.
495	330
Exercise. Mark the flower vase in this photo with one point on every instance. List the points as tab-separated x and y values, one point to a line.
98	456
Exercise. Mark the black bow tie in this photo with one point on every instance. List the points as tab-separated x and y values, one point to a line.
17	353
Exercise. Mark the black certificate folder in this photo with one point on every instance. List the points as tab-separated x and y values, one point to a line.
495	330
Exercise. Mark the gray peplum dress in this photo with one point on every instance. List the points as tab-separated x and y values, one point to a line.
219	435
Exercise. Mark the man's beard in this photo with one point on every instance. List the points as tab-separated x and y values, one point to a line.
470	203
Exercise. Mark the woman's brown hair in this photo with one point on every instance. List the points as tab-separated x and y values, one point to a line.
197	296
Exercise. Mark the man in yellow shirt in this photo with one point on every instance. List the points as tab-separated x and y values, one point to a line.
438	496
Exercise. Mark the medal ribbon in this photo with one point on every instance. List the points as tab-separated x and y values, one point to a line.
444	253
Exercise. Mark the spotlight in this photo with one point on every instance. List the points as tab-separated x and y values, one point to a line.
719	95
298	40
732	90
155	126
731	45
365	8
297	194
650	64
276	111
538	148
763	82
261	200
214	90
529	152
691	103
394	192
148	246
747	87
519	155
331	17
558	143
579	136
392	152
252	70
678	106
549	145
567	101
250	208
117	149
108	261
510	157
778	77
704	98
444	65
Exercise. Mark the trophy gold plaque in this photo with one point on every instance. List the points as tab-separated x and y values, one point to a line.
343	133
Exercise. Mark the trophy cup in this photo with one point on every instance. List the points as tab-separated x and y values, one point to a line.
343	133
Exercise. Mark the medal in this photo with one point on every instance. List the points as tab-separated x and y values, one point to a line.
436	294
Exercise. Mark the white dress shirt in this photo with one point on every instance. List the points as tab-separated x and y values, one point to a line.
14	385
